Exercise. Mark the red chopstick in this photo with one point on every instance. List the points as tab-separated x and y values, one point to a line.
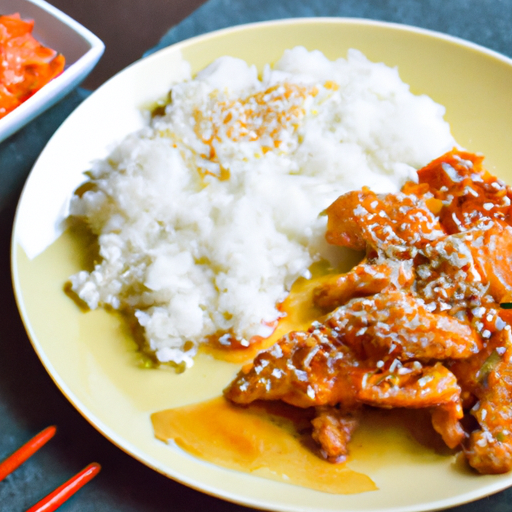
56	498
27	450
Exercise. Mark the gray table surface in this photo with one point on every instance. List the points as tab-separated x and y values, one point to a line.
29	401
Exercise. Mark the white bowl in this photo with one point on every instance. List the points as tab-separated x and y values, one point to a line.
81	48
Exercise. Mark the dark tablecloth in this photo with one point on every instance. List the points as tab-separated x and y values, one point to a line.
29	401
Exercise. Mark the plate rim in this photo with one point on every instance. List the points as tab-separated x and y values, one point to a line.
333	20
96	422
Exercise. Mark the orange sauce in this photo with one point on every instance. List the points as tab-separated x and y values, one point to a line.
298	308
266	439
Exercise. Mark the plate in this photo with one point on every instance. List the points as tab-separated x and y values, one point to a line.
91	356
81	48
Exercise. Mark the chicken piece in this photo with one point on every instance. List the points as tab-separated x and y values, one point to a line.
332	430
488	376
470	195
472	373
315	368
364	279
395	324
491	250
489	454
305	369
394	223
443	174
410	385
417	324
447	276
413	386
446	421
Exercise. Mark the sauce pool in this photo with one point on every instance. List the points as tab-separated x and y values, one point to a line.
267	439
270	440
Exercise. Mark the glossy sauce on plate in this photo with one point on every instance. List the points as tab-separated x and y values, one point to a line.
272	439
268	440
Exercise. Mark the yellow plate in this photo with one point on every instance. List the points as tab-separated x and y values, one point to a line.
90	355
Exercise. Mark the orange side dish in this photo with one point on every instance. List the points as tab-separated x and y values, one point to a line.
26	65
416	325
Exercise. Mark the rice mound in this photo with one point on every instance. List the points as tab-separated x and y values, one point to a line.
207	215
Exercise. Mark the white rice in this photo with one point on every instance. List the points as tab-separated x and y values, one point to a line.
208	215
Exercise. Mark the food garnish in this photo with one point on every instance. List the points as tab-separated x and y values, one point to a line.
420	323
26	65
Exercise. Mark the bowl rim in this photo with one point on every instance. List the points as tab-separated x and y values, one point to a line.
60	85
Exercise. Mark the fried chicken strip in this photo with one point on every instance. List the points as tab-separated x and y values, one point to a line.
417	324
470	196
398	324
491	250
332	431
305	369
315	368
391	222
446	421
488	377
363	280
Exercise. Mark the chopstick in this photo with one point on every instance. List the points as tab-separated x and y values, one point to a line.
56	498
60	495
27	450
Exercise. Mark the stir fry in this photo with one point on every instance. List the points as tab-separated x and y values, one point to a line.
417	324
